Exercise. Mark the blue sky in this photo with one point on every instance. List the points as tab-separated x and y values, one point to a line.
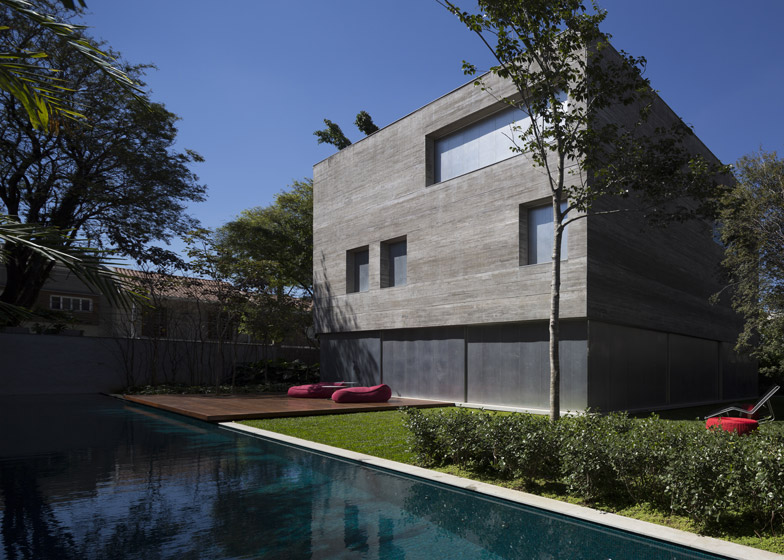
252	79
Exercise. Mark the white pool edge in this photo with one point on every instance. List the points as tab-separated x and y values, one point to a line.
644	528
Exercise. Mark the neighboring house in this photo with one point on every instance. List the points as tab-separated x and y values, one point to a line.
432	274
73	305
180	308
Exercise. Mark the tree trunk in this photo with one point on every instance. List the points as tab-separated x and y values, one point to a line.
555	301
26	274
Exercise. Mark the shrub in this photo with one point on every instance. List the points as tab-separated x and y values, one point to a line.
704	474
424	441
677	466
591	446
525	446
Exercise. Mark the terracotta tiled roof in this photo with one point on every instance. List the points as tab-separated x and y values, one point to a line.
176	287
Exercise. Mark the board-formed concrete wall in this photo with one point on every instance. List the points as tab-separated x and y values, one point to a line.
462	234
52	364
469	324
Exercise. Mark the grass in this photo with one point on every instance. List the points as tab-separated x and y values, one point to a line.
382	434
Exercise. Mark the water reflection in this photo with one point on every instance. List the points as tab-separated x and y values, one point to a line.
90	477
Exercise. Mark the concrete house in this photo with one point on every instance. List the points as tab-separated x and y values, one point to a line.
432	275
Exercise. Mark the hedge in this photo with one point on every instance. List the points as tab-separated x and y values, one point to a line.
675	466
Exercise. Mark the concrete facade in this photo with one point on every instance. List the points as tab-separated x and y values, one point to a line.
470	322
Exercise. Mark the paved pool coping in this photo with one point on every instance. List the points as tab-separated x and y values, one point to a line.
644	528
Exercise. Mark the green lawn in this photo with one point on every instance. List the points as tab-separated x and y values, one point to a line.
380	434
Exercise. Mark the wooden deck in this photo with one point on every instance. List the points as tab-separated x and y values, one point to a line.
215	408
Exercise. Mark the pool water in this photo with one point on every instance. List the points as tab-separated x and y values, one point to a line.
94	477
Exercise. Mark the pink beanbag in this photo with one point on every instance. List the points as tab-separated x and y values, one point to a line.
378	393
314	390
740	425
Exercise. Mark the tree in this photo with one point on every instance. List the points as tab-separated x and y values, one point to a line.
752	230
365	123
116	183
566	75
36	89
267	252
272	246
334	135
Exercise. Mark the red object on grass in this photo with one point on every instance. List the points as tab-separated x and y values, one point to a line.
314	390
740	425
750	407
378	393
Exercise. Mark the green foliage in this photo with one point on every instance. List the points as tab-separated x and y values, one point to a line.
365	123
267	254
119	182
332	135
752	229
280	372
271	246
677	467
36	85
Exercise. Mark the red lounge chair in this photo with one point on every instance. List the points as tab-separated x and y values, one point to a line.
379	393
748	419
314	390
751	411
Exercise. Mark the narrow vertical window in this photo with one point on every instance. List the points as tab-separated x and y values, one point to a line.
358	270
536	235
394	266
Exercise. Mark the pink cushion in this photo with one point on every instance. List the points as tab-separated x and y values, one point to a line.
740	425
750	407
314	390
378	393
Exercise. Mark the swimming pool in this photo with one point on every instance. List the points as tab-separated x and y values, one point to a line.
93	477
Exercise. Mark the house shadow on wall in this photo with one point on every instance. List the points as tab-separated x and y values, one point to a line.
346	354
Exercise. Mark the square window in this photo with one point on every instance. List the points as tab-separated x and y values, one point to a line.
55	302
394	266
358	270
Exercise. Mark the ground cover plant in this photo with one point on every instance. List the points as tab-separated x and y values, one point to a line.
264	376
672	472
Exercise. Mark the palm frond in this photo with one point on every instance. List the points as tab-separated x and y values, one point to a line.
88	264
33	86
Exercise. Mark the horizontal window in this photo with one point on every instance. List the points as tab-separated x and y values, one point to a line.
68	303
478	145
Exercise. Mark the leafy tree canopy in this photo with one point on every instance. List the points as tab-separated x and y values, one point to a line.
752	230
116	183
272	246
